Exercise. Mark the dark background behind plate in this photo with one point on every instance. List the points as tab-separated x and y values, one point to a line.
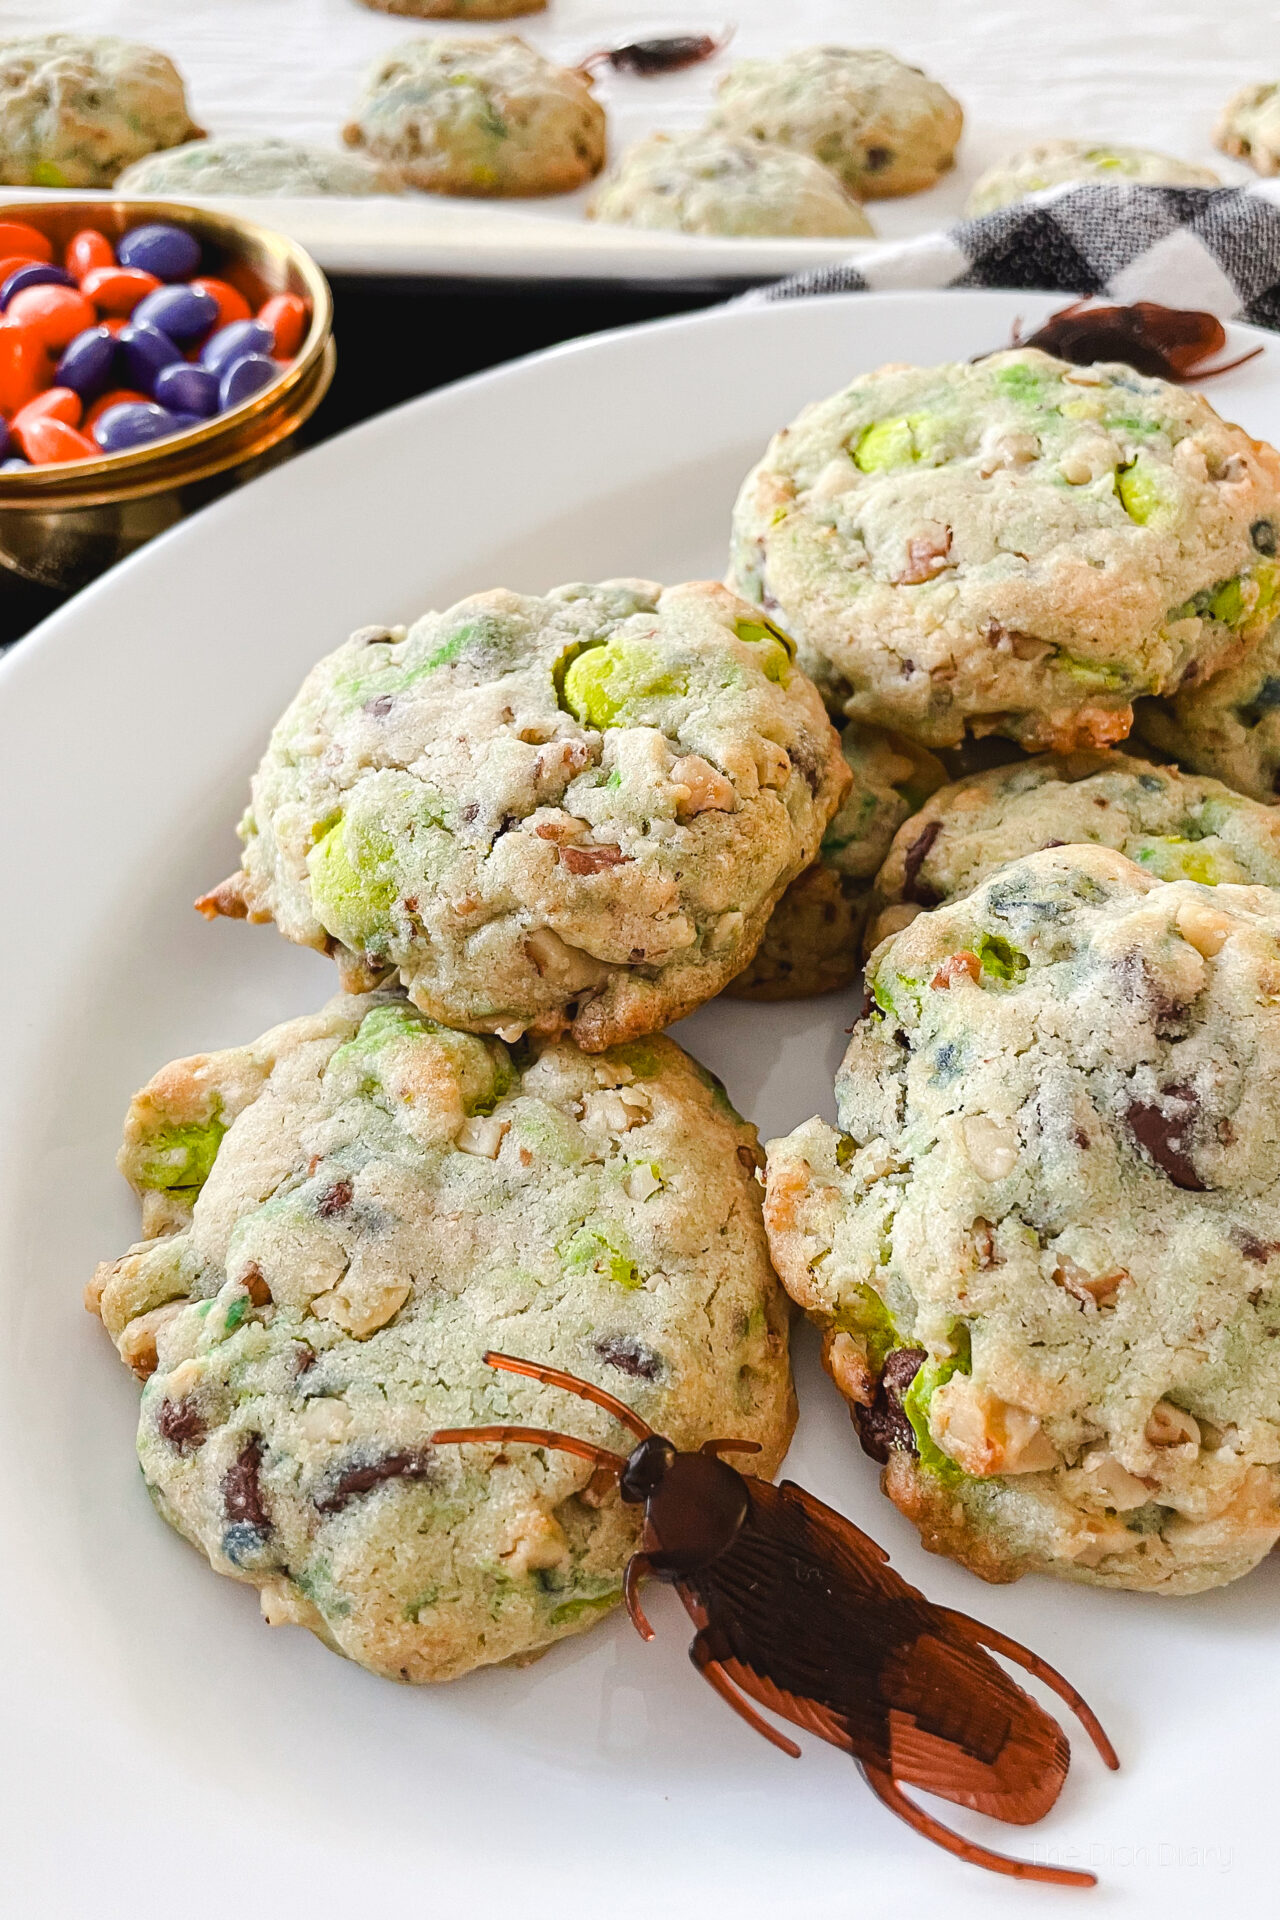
399	338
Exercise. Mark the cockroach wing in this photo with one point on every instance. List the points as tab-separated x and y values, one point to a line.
1185	337
804	1614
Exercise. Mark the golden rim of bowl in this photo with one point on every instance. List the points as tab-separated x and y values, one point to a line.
228	438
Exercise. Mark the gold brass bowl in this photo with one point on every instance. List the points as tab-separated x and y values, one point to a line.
61	525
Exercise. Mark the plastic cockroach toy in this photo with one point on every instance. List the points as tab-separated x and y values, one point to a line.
1172	342
800	1612
650	57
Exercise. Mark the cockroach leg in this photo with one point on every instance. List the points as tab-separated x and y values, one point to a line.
554	1377
715	1676
534	1437
890	1794
730	1446
1228	366
984	1636
636	1568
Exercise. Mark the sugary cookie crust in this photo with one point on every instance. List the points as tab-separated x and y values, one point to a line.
1040	1247
883	128
574	812
1173	824
350	1211
76	109
1016	546
488	117
707	182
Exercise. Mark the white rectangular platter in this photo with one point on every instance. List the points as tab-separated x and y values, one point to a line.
1150	72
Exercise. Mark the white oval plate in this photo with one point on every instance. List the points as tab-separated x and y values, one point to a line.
164	1752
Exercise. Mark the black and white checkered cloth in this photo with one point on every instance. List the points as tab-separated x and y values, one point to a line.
1216	249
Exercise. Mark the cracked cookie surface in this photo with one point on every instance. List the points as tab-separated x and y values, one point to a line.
76	109
487	116
812	943
1043	1246
883	128
1014	546
569	811
1174	825
342	1217
707	182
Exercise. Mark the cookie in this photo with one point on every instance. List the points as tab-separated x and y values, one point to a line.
1172	824
1229	725
1014	546
357	1206
574	812
812	943
720	183
1040	1246
76	109
458	9
256	165
1053	163
1249	129
488	117
884	128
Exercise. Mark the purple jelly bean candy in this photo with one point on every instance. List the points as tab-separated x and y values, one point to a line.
166	251
6	440
145	351
245	377
35	274
184	313
133	423
15	465
86	366
188	389
233	342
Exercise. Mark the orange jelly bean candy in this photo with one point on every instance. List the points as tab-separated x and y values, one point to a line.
86	250
287	317
116	398
10	263
55	314
55	403
231	303
116	290
47	441
17	237
24	365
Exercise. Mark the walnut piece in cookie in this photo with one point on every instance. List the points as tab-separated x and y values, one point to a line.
1014	546
1039	1243
573	812
382	1200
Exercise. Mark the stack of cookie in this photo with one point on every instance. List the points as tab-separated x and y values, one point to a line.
532	831
1041	1242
